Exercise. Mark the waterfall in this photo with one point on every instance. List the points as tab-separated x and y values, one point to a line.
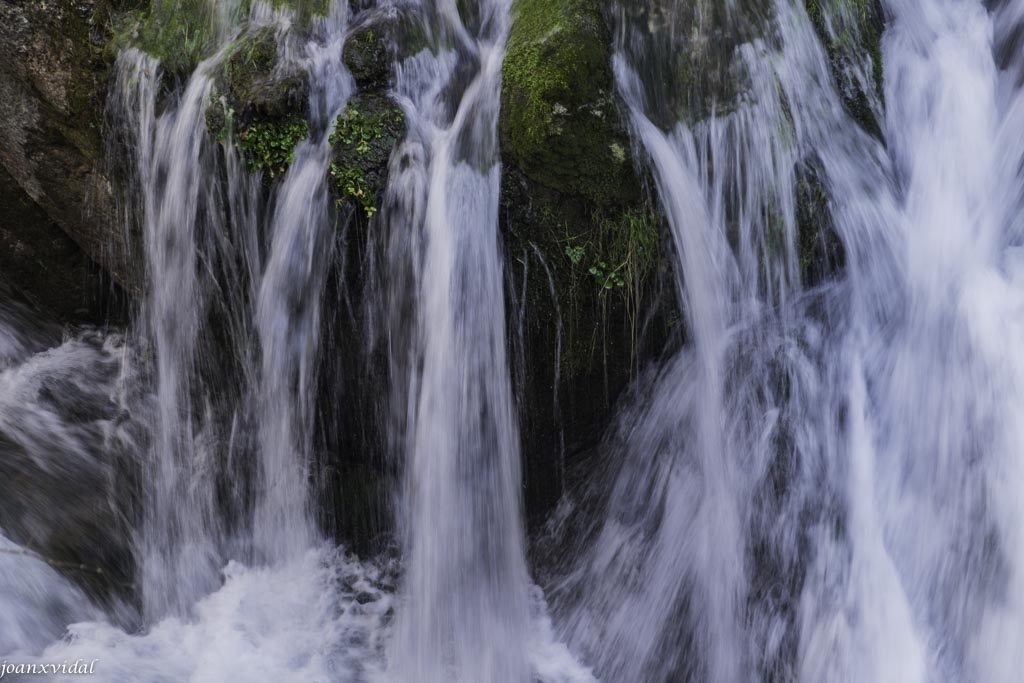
288	310
809	490
819	479
464	615
235	577
179	558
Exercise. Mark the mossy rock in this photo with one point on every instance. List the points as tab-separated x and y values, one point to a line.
560	123
179	33
368	56
577	227
688	54
257	105
822	255
364	136
255	85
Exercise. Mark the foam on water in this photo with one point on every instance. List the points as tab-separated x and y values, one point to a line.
318	617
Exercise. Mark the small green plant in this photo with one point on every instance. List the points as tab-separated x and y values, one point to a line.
624	251
619	258
606	276
351	184
575	254
270	145
355	139
358	129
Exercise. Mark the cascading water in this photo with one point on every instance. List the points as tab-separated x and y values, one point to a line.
288	312
235	576
179	558
465	610
809	491
235	581
822	484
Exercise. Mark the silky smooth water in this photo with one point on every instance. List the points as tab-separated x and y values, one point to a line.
465	606
822	483
820	486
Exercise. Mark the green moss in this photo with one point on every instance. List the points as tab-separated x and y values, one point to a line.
304	9
363	137
270	145
559	121
253	53
255	86
181	33
570	194
177	32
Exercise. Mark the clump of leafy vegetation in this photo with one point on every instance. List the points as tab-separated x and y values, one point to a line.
270	145
351	184
358	129
623	253
620	258
362	139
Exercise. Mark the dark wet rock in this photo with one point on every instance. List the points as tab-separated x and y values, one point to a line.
52	87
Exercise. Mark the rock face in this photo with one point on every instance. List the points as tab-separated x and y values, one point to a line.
582	240
52	83
48	267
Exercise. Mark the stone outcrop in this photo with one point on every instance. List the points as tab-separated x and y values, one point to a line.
52	83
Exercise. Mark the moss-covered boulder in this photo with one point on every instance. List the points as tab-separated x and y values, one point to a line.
364	136
368	55
583	243
559	122
260	102
688	54
258	84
